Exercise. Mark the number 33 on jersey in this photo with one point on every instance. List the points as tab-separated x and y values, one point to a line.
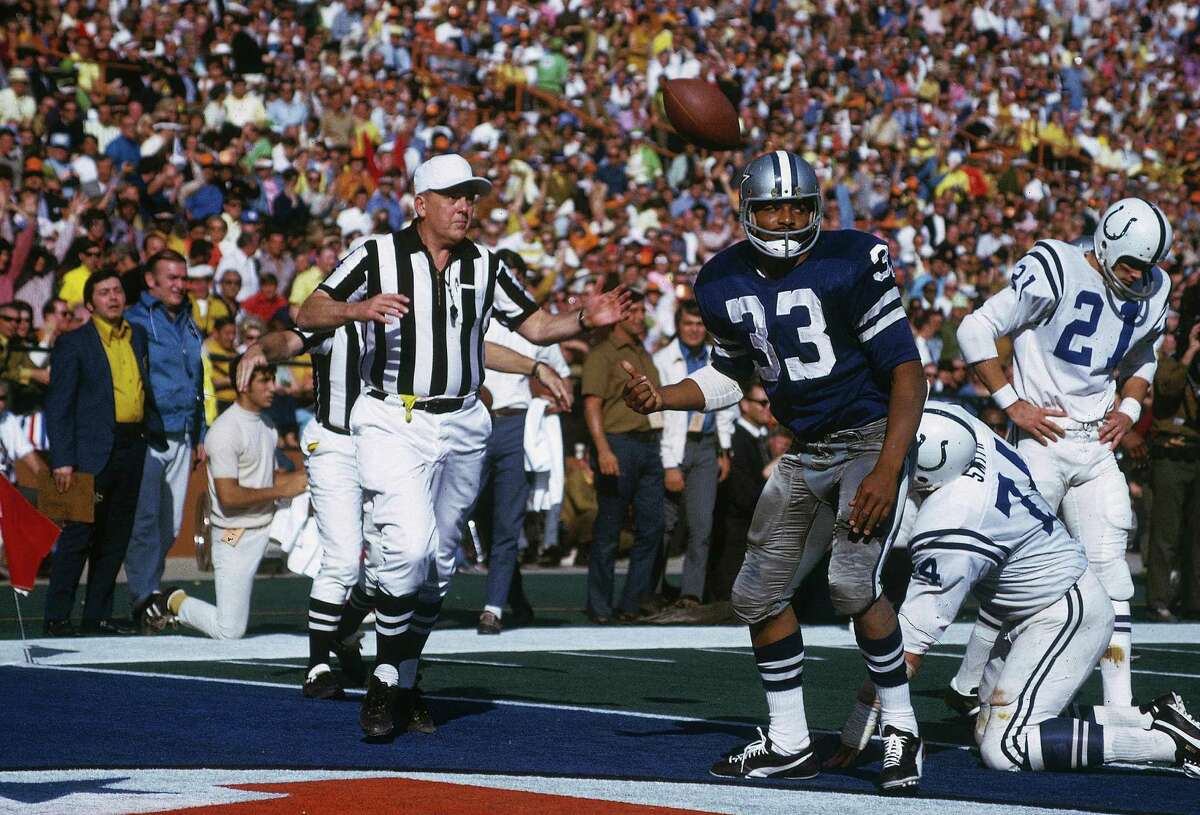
823	339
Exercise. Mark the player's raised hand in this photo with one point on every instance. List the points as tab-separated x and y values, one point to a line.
382	308
640	394
252	358
1035	421
601	308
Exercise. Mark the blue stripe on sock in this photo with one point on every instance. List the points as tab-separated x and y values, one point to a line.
885	659
789	650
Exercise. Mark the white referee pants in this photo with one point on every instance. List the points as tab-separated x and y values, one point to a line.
337	499
234	568
1081	481
422	479
1036	668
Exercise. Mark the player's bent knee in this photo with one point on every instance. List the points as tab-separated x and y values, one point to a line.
750	609
850	598
234	631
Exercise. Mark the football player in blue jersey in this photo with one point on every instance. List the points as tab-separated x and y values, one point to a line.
816	316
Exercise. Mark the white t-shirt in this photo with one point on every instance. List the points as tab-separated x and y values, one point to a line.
241	445
13	445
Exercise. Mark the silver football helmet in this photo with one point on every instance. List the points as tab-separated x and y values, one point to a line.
946	446
1135	232
780	176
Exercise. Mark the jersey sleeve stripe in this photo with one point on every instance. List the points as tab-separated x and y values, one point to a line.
897	313
729	350
888	298
1058	267
954	546
341	286
516	292
310	339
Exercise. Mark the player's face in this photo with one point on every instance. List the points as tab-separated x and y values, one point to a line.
784	215
1130	272
261	391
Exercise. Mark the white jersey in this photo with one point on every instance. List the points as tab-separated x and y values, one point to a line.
1070	333
988	532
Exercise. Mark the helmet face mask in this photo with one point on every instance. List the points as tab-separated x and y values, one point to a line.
1136	233
780	177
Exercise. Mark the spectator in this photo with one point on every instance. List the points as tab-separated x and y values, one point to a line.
95	415
739	493
207	308
221	348
267	302
630	470
176	428
243	487
1175	477
228	286
72	282
695	452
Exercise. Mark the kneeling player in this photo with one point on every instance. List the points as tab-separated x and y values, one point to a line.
983	528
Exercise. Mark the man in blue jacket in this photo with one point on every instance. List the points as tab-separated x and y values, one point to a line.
177	428
95	413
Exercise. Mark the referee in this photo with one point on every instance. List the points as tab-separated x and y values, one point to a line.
343	591
429	294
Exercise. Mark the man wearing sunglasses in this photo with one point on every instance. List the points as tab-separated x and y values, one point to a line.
1085	323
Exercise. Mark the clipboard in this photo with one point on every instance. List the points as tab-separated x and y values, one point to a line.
76	504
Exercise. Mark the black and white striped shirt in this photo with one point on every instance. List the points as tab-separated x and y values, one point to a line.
336	356
437	348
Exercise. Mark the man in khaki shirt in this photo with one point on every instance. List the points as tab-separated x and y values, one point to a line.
629	465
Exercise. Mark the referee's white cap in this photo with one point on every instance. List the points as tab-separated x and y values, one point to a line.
446	172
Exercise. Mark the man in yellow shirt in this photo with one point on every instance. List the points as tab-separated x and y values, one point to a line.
207	308
73	281
307	281
95	409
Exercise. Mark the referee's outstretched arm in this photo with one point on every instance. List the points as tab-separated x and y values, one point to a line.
600	308
322	312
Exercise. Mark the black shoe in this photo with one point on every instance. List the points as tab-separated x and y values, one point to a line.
489	623
420	720
350	661
324	685
903	756
1170	716
375	716
151	615
59	628
107	628
964	705
521	616
758	759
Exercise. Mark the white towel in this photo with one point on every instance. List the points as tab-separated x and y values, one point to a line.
296	534
544	456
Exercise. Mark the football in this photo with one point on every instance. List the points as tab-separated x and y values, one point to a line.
701	113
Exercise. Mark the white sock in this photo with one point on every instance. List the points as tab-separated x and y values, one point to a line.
1121	716
788	730
407	673
387	674
499	612
1114	665
317	670
895	708
1135	744
979	648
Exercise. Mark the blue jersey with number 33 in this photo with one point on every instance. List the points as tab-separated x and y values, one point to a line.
823	339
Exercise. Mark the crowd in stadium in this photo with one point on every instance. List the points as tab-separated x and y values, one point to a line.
261	141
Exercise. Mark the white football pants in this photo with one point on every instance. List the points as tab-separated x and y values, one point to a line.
1036	668
422	478
234	568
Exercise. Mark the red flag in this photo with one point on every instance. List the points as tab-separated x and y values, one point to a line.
28	536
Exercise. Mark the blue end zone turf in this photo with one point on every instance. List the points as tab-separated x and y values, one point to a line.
108	721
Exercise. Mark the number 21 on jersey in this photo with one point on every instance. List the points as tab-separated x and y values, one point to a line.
813	334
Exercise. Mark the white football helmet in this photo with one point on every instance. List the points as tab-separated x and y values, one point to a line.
1136	232
946	446
780	176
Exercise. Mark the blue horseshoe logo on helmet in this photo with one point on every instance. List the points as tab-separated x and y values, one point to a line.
1104	226
940	464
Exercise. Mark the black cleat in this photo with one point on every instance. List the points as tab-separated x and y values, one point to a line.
324	685
903	756
964	705
151	615
1170	715
375	716
350	661
420	720
489	623
758	759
